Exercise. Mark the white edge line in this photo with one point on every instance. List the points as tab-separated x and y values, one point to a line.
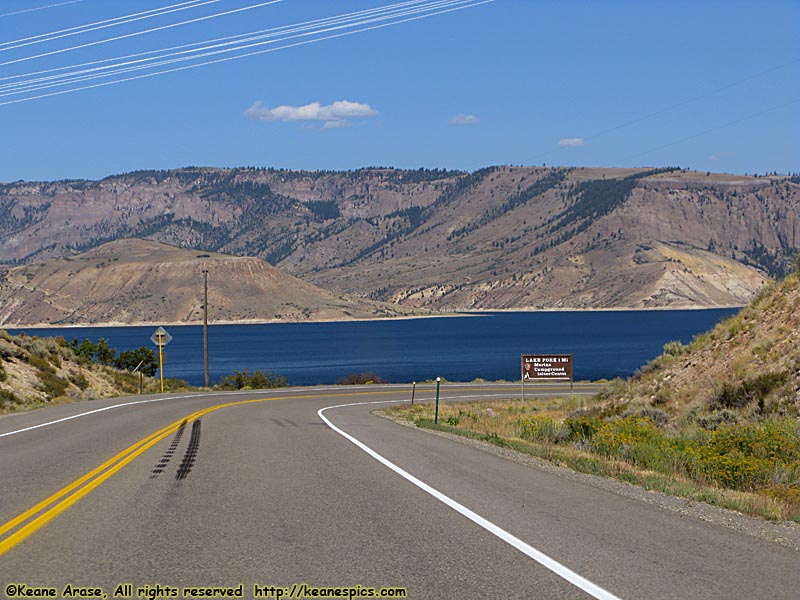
91	412
251	393
105	408
544	560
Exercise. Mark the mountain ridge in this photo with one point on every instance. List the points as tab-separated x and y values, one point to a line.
497	238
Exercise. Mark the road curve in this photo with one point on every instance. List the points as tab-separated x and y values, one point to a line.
306	485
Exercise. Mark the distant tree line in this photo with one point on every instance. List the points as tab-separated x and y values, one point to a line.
777	262
549	181
590	201
324	209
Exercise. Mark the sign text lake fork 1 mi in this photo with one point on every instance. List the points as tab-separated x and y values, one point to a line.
537	368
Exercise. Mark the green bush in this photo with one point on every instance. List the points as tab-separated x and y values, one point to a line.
775	440
79	379
10	350
8	400
143	357
52	385
718	417
728	470
542	429
656	415
360	379
255	380
49	382
583	427
674	348
621	434
46	348
739	395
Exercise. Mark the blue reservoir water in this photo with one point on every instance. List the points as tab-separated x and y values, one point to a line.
604	344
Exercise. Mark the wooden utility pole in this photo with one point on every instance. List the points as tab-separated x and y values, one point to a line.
205	323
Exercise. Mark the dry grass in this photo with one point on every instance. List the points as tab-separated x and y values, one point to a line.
500	423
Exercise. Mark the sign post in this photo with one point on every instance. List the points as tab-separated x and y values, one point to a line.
546	367
436	415
161	338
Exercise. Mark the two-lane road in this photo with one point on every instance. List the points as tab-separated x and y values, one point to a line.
289	486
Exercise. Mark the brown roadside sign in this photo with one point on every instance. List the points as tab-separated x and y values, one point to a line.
546	367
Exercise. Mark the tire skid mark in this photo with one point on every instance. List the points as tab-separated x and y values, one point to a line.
167	456
191	453
31	520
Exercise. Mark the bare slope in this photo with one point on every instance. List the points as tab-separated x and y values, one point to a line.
747	368
134	280
501	237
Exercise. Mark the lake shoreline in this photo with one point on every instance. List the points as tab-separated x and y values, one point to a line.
605	344
465	313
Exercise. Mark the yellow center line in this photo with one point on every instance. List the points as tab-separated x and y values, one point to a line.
123	457
91	480
98	475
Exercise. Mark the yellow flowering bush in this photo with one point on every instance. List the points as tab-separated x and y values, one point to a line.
619	436
542	429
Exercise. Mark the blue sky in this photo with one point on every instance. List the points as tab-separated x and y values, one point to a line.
706	85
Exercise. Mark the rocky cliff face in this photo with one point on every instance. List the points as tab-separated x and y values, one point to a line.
501	237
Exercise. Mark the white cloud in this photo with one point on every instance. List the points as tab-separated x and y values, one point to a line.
713	157
334	115
571	142
462	119
336	124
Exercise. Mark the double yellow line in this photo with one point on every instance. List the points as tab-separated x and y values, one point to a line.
37	516
69	495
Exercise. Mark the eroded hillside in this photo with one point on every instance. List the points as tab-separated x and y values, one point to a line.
501	237
141	281
746	368
36	371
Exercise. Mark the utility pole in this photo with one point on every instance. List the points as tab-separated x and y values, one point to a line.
205	323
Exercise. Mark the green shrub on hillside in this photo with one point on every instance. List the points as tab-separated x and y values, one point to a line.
256	380
360	379
49	382
583	427
743	457
613	437
79	380
8	400
675	348
741	394
543	429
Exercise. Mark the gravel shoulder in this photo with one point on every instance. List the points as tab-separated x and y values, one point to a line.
784	533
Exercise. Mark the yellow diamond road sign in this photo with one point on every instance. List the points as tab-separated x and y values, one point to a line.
160	337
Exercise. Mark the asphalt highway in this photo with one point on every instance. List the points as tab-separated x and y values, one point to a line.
293	486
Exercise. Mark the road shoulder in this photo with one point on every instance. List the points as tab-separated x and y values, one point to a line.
784	533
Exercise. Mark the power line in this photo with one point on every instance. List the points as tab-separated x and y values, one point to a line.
261	34
53	35
27	10
137	33
712	129
255	53
66	79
